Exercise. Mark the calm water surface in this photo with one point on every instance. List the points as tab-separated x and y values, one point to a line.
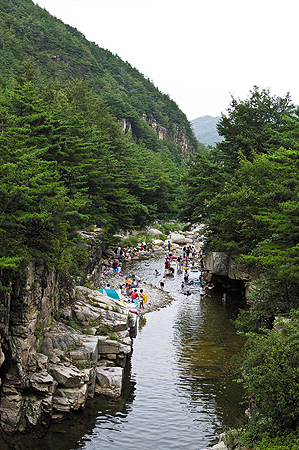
179	390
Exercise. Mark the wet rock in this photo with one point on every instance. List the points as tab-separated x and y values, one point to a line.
109	381
66	400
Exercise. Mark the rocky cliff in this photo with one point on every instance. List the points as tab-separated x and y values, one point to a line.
227	273
177	135
60	344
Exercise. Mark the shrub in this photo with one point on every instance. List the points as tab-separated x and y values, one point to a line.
271	376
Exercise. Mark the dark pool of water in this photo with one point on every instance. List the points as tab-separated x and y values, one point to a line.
179	390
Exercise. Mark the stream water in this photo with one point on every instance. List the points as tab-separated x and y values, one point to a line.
179	390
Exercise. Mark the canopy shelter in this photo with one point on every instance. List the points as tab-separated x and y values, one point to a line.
112	293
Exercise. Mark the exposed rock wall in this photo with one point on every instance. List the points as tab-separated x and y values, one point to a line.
178	135
59	345
92	242
221	265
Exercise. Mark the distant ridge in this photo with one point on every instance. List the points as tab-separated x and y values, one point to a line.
205	130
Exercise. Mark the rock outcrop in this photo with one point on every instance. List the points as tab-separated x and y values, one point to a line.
227	272
60	344
176	134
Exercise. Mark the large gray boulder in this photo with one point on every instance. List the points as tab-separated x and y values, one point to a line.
68	377
153	232
109	381
177	238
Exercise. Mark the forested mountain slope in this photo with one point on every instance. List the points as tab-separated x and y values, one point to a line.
65	161
28	32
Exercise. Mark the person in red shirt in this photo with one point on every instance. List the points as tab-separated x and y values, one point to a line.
134	295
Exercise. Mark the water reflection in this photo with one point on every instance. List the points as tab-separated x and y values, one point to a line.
78	428
205	343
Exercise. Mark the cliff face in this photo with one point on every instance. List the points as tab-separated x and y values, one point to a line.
226	271
178	135
28	312
59	345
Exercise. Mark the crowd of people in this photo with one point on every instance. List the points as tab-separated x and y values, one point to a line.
185	260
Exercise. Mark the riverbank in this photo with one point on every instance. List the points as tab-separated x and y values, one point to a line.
156	297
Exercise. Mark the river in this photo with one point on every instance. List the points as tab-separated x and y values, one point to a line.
179	390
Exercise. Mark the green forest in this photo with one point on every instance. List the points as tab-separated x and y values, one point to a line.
66	165
246	192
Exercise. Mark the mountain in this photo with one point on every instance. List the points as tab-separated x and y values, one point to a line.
86	142
205	130
119	144
60	52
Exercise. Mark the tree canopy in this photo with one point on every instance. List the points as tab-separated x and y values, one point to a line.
246	192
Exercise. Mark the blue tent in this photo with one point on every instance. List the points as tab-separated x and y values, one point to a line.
112	293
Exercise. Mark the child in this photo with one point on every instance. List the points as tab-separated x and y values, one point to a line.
143	299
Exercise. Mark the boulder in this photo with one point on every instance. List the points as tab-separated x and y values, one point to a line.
158	242
108	346
42	382
109	381
153	232
88	351
90	380
66	400
177	238
68	377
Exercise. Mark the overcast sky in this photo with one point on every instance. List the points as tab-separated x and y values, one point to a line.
197	51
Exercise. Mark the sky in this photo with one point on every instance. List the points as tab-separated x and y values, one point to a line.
200	52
